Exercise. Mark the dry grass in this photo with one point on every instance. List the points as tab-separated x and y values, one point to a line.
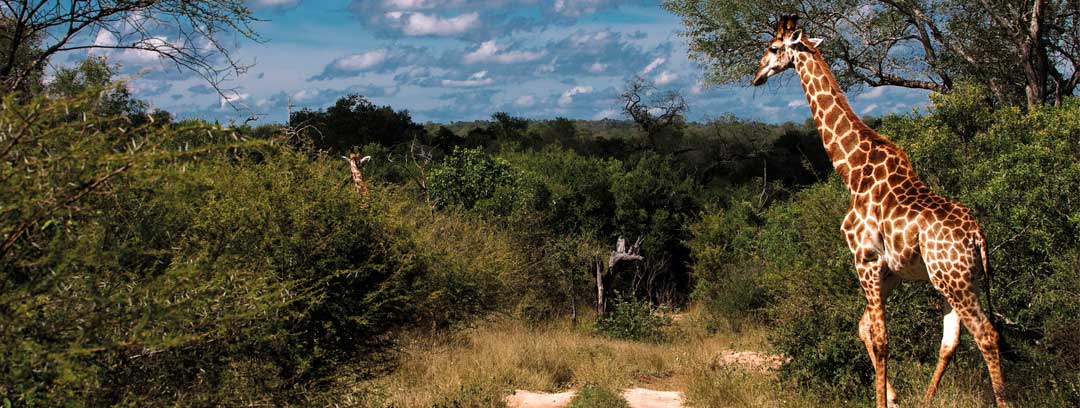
478	367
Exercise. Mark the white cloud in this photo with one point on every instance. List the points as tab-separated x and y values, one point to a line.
874	93
418	24
869	109
104	39
568	96
591	40
666	77
797	103
234	97
597	67
525	101
410	4
476	79
273	4
653	65
489	52
360	62
141	53
698	88
606	114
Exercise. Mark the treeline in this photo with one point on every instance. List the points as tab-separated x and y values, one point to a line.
149	262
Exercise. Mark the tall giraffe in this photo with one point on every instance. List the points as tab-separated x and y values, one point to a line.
896	228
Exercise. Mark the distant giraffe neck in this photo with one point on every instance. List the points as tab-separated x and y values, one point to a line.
840	128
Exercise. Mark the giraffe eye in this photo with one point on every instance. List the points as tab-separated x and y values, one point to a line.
774	50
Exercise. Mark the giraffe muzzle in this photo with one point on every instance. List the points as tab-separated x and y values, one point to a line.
761	77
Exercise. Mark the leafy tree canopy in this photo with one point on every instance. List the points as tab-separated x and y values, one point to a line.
1025	52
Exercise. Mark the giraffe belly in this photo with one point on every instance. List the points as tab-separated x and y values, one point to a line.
912	268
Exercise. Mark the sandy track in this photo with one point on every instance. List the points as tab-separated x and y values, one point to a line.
636	397
527	399
646	398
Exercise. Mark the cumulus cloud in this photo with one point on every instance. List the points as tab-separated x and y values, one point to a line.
666	77
232	98
653	65
873	93
474	18
525	101
568	97
378	60
274	5
577	8
476	79
489	51
421	24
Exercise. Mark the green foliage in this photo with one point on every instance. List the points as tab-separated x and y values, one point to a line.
656	201
596	397
728	37
474	180
632	319
355	121
723	266
93	74
216	273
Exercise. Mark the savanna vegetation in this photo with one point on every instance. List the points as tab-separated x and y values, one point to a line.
147	261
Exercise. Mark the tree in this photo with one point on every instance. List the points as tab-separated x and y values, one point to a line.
94	74
354	121
661	113
1026	52
188	33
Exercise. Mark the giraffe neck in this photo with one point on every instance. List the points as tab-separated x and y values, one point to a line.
840	128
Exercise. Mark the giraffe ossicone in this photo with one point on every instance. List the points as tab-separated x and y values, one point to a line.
896	228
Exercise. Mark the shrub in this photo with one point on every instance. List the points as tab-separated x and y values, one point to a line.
595	397
474	180
723	264
229	274
632	319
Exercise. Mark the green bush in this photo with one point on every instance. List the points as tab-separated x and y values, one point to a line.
214	273
596	397
474	180
723	264
631	319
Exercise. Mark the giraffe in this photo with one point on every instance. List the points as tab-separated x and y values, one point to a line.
896	228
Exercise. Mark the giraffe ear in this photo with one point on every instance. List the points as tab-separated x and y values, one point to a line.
795	38
815	42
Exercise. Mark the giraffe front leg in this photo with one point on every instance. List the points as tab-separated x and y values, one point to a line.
872	327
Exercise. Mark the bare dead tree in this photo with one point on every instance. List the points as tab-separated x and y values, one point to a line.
420	157
624	254
189	34
620	255
652	109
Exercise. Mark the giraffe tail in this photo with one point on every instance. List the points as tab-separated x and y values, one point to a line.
984	256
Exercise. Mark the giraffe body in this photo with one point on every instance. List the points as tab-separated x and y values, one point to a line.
896	228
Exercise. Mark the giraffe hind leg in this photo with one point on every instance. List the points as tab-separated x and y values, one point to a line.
958	289
950	337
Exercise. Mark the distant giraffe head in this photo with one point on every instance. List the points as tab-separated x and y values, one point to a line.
780	54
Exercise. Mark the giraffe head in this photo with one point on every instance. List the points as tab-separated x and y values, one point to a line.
780	54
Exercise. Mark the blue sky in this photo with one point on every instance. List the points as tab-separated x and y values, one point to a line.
447	60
